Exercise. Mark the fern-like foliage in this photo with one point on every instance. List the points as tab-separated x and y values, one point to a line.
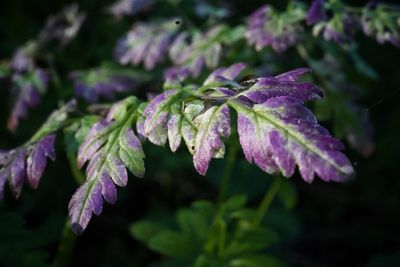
191	52
110	147
199	237
276	132
28	162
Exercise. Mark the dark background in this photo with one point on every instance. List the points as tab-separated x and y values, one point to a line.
351	224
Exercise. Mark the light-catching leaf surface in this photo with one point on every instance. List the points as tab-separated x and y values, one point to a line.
276	131
110	147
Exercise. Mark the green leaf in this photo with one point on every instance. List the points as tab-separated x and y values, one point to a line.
110	147
251	240
257	260
145	230
194	223
245	214
174	244
234	35
235	202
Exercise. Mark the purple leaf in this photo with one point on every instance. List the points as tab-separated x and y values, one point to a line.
198	51
181	125
378	22
26	162
167	118
175	75
156	114
37	160
110	148
3	180
26	91
212	125
266	27
293	75
80	212
270	87
280	136
229	73
316	12
276	131
94	140
18	172
64	26
102	82
147	43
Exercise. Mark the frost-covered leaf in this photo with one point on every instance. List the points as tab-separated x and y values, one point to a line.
110	148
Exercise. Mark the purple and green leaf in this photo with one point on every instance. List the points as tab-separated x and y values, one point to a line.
26	163
109	148
276	130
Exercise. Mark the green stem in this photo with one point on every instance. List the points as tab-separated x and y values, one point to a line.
267	200
76	173
217	221
226	176
65	249
222	239
68	238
